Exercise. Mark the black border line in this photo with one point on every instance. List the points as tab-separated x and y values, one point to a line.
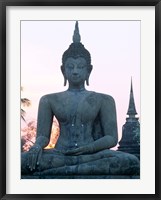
3	5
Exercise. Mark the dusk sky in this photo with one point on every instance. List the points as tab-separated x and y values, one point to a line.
115	53
120	49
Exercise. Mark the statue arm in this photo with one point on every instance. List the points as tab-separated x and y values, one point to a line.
45	119
44	123
108	124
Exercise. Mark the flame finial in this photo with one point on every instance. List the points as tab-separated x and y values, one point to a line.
76	36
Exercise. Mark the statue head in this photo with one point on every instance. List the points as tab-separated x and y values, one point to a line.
75	51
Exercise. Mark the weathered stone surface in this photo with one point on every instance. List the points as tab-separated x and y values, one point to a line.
82	177
88	129
130	141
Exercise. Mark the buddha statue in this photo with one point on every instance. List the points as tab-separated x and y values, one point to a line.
88	126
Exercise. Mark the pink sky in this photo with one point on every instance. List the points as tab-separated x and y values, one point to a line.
115	53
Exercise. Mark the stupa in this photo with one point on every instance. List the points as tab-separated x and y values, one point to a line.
130	141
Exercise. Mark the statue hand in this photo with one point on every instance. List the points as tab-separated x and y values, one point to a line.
34	156
79	151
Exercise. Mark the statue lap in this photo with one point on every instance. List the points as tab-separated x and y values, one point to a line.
106	162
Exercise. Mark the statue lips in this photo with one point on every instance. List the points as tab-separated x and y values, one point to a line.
75	77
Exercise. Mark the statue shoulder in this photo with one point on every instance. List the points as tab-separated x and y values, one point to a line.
51	97
105	97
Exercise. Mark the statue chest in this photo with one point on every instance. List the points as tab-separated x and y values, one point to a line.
77	109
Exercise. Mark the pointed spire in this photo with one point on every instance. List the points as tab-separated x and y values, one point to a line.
131	110
76	36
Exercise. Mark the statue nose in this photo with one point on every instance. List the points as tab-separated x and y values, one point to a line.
75	71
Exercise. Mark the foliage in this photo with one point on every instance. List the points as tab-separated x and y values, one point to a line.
28	135
24	103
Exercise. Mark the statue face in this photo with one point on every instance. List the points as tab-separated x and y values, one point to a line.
76	70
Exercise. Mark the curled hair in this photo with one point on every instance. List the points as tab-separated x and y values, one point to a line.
76	50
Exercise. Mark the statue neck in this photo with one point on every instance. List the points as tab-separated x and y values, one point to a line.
76	88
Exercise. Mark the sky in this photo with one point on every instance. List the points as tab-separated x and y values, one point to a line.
115	53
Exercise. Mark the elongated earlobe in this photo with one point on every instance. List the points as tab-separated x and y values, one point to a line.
87	79
65	81
87	82
90	67
63	72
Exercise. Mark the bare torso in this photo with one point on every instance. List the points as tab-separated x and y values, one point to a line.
76	113
88	130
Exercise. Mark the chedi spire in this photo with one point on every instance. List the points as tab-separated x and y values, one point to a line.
130	141
131	109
